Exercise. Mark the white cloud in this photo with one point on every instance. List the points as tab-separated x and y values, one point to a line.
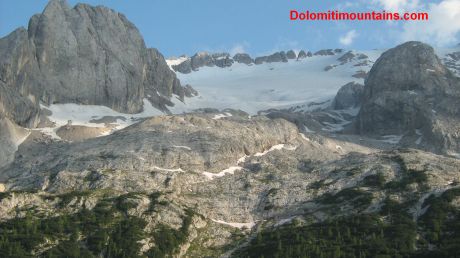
348	38
442	28
398	5
239	48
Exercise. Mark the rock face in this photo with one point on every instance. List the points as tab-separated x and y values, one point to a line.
11	136
243	58
201	59
86	55
325	52
277	57
349	96
222	60
409	90
260	60
302	55
184	67
291	54
161	82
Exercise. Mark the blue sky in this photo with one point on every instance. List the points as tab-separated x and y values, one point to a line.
178	27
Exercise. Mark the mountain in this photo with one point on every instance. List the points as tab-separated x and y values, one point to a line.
410	92
86	55
82	55
330	153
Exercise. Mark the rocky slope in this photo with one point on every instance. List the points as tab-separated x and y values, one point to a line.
218	180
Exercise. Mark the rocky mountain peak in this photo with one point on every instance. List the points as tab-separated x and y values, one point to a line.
409	90
407	66
84	55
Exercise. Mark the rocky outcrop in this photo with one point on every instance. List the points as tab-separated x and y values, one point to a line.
291	54
201	59
349	56
184	67
409	90
277	57
243	58
260	60
11	136
349	96
302	55
160	82
85	55
325	52
222	60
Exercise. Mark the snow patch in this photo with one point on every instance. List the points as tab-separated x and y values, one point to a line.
175	61
284	221
168	169
419	133
86	115
392	139
182	147
219	116
275	147
304	137
230	170
247	225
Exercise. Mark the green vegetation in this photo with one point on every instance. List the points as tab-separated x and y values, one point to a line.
441	224
168	240
376	180
105	231
358	236
408	176
390	233
357	197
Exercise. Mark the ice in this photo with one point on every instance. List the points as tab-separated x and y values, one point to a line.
269	85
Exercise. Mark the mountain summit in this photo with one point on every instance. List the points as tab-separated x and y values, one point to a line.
409	90
84	55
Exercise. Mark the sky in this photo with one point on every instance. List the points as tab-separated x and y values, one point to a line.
260	27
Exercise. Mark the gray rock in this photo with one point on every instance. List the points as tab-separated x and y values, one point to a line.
349	96
184	67
347	57
10	136
291	54
260	60
85	55
325	52
277	57
243	58
329	67
189	91
201	59
222	60
409	90
302	55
